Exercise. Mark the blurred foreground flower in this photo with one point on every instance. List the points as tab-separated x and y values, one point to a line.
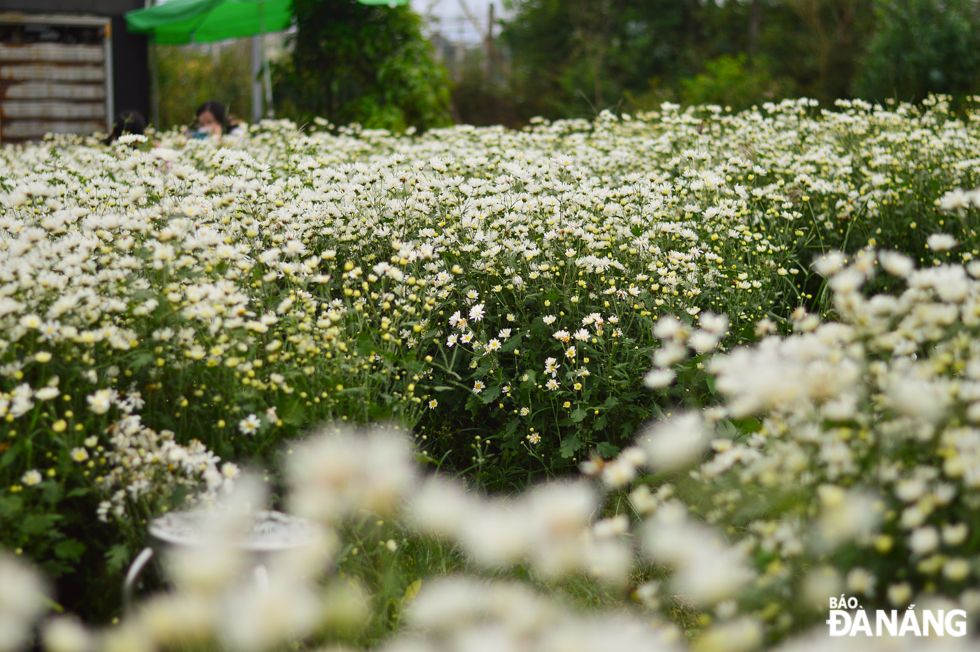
23	598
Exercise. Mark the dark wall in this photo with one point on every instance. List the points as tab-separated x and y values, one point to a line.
131	76
95	7
130	69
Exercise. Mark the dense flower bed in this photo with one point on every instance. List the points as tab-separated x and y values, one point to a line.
174	310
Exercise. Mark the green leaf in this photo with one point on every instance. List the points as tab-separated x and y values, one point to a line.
69	549
607	450
579	415
51	492
294	414
570	445
490	394
748	425
117	558
10	506
412	591
423	458
510	344
38	523
366	346
141	360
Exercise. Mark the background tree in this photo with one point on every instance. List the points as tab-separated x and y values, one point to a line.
833	34
921	47
190	75
361	63
576	57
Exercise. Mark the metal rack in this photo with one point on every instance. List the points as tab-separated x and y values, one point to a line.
55	75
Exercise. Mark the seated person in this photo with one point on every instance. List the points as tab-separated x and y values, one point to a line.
129	121
211	119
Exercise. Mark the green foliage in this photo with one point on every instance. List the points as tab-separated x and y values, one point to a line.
921	47
482	101
359	63
336	268
190	76
734	81
577	57
573	58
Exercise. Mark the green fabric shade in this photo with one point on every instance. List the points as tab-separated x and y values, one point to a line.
202	21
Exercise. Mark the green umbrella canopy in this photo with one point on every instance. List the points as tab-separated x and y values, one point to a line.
202	21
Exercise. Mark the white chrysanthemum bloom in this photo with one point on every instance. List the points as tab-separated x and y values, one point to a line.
924	540
66	634
256	617
101	400
668	327
955	199
440	507
860	580
842	408
716	324
896	264
452	604
955	535
670	537
129	636
923	398
497	534
739	635
249	425
847	515
941	242
604	631
957	569
755	379
818	585
164	154
178	619
704	341
675	442
711	575
950	282
900	594
23	598
708	570
659	378
338	472
47	393
129	139
623	469
560	510
910	489
830	263
205	568
669	355
847	281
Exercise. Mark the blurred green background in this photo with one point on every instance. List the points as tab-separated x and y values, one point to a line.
383	67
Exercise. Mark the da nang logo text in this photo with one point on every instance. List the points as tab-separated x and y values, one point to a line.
894	622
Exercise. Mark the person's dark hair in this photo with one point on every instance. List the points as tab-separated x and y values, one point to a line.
129	121
217	109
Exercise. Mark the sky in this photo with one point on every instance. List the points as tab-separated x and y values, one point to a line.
453	23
